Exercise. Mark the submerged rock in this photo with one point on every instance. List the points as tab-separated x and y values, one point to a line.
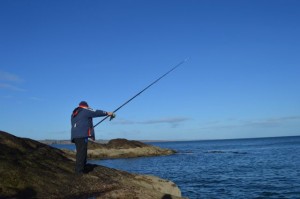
30	169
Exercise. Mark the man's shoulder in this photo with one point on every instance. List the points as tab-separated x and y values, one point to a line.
89	109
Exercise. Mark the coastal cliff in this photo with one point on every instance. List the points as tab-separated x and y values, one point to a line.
30	169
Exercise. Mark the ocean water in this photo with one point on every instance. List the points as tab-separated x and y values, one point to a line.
240	168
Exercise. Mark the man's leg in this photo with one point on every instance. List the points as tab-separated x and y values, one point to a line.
81	154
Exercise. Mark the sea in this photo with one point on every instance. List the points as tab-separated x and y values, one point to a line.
237	168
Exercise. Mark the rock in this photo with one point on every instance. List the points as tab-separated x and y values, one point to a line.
30	169
122	148
125	144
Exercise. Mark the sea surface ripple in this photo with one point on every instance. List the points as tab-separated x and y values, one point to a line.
239	168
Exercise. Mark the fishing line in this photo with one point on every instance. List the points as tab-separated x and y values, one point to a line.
172	69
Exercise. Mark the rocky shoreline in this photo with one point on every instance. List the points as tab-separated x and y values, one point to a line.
122	148
30	169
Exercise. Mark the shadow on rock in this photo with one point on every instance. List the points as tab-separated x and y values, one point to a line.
167	196
89	168
25	193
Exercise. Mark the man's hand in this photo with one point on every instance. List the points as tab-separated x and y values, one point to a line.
112	115
92	138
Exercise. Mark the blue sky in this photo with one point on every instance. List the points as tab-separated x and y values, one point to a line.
242	78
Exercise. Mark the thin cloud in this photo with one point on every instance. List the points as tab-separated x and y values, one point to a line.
124	122
7	81
270	121
174	122
5	76
165	120
261	123
10	87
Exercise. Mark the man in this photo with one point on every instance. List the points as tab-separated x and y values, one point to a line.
82	129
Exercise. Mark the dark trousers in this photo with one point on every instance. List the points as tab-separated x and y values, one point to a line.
81	154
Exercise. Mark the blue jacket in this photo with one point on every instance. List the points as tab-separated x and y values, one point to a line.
82	122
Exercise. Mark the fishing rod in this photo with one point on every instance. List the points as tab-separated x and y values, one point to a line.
111	117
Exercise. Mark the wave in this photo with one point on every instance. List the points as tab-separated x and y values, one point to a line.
219	151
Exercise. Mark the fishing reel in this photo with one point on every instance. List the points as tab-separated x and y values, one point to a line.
112	117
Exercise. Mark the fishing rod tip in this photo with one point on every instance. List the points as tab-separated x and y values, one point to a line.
186	59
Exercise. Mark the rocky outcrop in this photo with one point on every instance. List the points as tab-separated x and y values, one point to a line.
122	148
30	169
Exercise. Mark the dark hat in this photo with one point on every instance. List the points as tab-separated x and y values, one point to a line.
83	103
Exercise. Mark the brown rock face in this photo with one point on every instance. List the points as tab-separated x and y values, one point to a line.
122	148
125	144
30	169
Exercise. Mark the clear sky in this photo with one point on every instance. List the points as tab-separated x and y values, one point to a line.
242	79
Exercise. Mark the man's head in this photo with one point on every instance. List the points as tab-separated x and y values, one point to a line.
83	104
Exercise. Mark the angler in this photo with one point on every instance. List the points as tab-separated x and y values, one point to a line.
82	129
82	123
